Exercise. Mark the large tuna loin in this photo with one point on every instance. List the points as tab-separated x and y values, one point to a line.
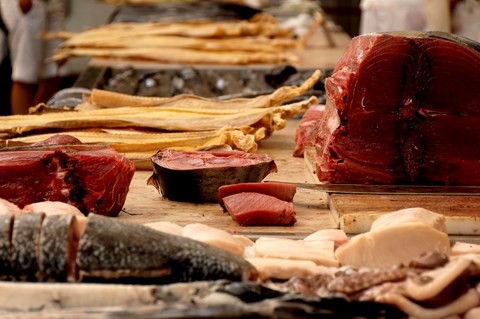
92	178
403	108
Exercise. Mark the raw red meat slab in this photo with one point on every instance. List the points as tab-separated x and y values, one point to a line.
281	191
254	209
402	108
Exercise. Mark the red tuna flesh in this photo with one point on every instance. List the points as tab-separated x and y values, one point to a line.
281	191
254	209
94	179
305	134
402	108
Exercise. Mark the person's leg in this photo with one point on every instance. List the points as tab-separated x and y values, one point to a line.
21	97
46	89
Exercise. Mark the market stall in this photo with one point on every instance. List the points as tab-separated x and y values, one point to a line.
244	166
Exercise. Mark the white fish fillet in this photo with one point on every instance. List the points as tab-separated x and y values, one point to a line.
319	252
395	238
215	237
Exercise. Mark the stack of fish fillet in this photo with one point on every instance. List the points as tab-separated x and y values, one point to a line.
258	40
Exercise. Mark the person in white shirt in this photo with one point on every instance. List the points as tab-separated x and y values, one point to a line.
25	20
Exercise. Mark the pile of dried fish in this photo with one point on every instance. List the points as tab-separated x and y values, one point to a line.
258	40
140	126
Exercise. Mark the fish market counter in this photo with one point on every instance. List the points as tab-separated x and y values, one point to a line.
315	209
145	205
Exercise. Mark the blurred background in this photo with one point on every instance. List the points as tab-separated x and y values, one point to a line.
351	17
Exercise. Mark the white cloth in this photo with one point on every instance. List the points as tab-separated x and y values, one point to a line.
402	15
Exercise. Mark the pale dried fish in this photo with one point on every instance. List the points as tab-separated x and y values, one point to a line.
164	118
259	40
179	55
125	40
103	98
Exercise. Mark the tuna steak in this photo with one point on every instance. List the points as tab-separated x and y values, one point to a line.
92	178
111	250
255	209
196	176
284	192
402	108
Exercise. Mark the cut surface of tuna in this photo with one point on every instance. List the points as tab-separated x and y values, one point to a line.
196	176
255	209
305	133
92	178
402	108
284	192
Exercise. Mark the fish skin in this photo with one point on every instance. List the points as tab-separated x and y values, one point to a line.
55	240
6	224
25	239
116	251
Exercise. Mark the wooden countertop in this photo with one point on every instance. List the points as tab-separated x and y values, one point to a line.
144	204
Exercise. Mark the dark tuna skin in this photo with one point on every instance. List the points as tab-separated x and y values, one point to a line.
403	108
6	223
25	240
198	175
56	241
115	251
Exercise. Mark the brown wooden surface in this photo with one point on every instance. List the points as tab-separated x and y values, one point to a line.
144	204
356	212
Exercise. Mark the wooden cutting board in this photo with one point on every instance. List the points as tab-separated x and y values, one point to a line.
354	213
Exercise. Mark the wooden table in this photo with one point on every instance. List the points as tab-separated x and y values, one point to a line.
144	203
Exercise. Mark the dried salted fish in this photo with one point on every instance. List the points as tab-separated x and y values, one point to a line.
140	126
125	40
165	118
102	98
261	24
126	141
179	55
259	40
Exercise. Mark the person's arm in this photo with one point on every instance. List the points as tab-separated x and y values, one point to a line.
25	5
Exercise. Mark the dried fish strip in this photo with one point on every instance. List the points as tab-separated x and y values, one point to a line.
165	118
263	24
259	44
103	98
141	141
179	56
259	40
